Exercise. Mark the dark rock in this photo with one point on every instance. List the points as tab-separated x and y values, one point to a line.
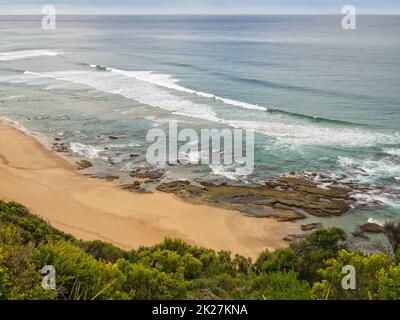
83	164
283	215
60	148
173	187
372	228
132	186
249	200
311	226
285	197
109	178
116	137
57	139
294	237
360	234
148	174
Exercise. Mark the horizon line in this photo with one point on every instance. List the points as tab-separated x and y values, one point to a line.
201	14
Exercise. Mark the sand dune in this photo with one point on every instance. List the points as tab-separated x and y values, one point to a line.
94	209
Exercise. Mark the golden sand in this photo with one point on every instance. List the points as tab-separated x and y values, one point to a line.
93	209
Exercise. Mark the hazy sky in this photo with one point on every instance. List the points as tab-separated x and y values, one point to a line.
199	6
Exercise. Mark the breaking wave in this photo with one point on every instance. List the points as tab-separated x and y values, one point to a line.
157	90
24	54
84	150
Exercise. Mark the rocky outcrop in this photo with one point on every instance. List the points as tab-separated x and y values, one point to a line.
83	164
135	186
148	174
360	234
372	228
132	186
285	198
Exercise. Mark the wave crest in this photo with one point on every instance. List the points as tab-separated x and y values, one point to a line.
24	54
151	89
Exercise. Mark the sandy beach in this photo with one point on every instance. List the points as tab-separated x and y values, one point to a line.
94	209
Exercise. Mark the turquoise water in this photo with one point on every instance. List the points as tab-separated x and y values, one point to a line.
319	98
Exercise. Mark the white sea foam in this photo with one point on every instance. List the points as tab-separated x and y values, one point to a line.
392	151
27	77
15	124
299	132
367	171
151	89
376	197
370	167
99	67
293	133
85	150
16	97
167	81
193	157
29	73
123	146
132	88
379	222
24	54
230	172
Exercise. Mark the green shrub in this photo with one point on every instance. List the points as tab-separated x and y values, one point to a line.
371	270
103	251
19	276
174	269
280	286
284	260
79	275
317	248
144	283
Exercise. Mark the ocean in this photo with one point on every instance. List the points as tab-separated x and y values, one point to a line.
319	99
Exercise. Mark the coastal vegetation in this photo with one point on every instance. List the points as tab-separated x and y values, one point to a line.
310	268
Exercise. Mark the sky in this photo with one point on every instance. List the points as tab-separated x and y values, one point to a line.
200	6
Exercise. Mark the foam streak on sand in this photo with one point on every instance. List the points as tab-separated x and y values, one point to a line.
93	209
